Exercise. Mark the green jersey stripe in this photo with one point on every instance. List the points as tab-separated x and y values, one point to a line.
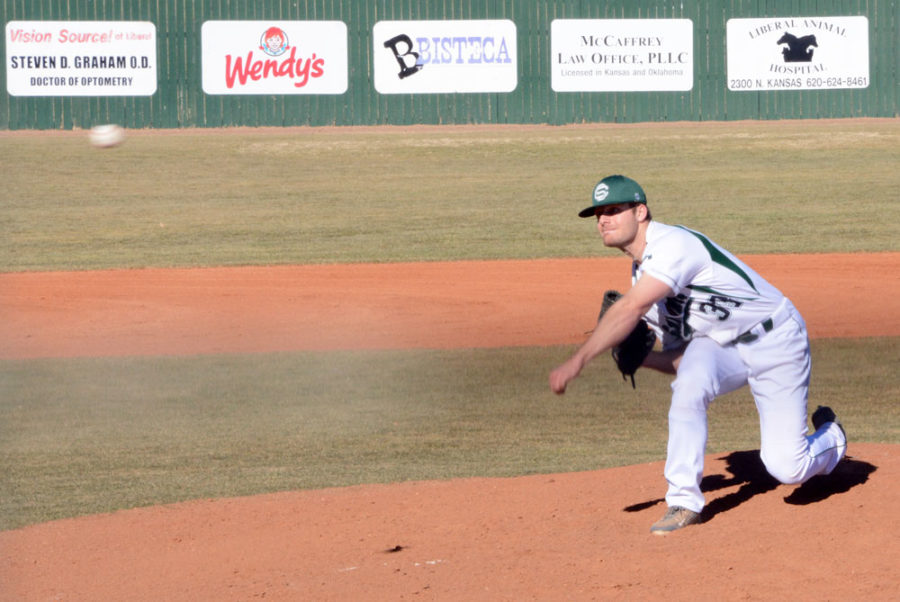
712	291
718	257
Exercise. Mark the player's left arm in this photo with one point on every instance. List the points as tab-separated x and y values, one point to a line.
665	361
616	324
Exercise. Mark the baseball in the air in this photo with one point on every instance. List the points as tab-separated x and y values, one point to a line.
107	136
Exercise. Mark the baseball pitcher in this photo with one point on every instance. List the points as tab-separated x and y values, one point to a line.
720	326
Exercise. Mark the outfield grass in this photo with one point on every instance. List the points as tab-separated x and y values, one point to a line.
94	435
322	195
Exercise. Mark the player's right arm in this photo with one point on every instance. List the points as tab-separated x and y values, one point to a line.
616	324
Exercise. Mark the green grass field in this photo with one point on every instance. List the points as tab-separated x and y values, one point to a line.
92	435
200	197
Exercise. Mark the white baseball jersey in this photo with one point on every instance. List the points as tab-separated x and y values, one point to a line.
716	295
717	299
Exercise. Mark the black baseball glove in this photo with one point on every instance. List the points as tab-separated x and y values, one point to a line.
630	354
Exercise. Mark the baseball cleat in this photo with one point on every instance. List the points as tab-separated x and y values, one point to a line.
822	416
676	517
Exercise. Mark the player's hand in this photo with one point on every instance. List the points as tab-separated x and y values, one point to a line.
563	375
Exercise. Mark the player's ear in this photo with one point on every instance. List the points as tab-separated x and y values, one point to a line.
643	212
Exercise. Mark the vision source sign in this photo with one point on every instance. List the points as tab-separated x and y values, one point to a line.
429	57
798	53
274	57
80	58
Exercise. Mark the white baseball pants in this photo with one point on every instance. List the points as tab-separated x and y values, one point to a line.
776	366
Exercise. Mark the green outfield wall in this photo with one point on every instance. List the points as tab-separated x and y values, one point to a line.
443	61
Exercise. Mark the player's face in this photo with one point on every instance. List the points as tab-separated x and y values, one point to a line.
617	224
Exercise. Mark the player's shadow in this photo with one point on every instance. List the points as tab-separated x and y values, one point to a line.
750	476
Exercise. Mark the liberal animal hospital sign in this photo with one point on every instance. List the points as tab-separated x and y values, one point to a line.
798	53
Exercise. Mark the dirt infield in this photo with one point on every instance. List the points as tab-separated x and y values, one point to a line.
579	536
381	306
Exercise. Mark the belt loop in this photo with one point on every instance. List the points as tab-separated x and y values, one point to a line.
767	325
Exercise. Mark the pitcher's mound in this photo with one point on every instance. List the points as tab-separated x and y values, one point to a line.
577	536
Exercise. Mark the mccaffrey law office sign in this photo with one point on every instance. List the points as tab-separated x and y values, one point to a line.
621	55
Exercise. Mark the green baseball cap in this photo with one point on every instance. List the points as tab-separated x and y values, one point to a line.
613	190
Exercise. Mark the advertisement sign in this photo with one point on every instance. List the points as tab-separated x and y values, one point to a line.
430	57
274	57
621	55
80	58
798	53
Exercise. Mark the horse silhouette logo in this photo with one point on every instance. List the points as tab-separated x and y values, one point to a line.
798	49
